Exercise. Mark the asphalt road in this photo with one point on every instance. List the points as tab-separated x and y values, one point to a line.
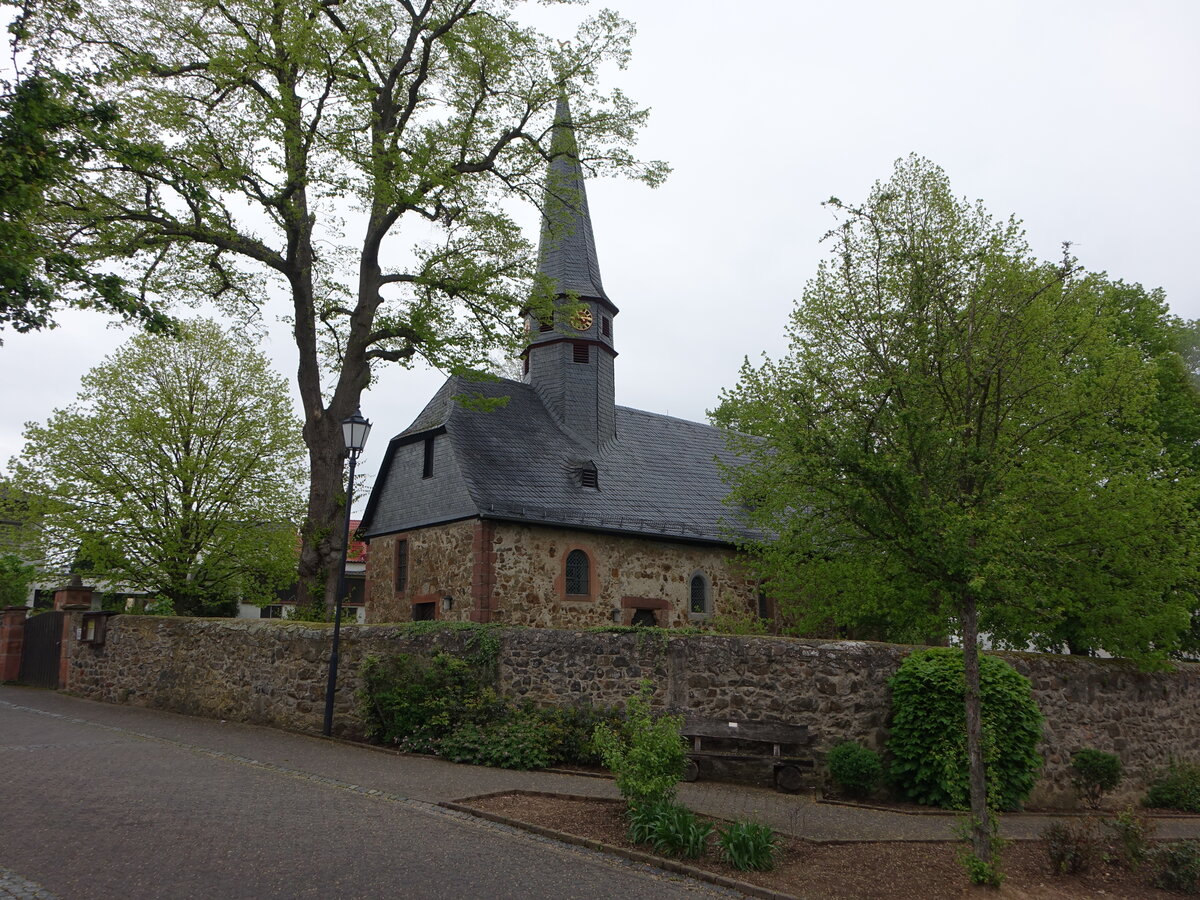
112	802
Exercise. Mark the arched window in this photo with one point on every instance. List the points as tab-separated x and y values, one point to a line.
578	573
698	599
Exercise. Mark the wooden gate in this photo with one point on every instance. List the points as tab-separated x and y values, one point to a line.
41	649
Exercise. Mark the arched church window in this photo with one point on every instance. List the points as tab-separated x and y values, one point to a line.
698	599
578	573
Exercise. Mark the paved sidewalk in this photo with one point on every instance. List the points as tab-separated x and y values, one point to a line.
415	781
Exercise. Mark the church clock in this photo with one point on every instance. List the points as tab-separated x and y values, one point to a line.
582	320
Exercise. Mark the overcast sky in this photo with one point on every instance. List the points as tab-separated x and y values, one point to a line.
1081	118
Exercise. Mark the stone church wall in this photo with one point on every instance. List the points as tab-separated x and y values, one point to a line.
273	672
514	574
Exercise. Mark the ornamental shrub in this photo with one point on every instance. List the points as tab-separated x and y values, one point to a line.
928	740
1094	773
1178	787
855	769
646	753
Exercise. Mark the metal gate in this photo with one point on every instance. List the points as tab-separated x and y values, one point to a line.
41	649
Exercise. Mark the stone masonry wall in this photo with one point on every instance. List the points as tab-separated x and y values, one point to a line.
273	673
439	565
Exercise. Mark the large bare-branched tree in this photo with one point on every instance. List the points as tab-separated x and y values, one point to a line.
354	156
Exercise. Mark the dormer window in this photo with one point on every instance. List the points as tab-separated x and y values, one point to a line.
588	477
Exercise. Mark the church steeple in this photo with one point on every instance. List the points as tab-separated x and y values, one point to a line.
570	360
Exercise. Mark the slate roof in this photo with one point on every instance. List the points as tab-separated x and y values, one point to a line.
567	249
657	479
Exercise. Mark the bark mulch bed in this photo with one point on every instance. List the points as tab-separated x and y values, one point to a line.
899	870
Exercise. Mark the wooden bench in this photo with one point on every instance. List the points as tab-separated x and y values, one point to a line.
727	741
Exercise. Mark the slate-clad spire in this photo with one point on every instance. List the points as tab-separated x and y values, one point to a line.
569	360
567	252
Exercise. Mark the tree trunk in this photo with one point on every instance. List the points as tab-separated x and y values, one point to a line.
320	537
981	833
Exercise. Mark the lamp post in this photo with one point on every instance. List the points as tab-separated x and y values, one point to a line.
354	432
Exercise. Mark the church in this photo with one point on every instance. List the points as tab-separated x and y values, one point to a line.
559	508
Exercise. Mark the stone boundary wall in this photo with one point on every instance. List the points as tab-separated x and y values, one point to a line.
273	672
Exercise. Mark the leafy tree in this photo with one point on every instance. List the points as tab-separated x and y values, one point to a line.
45	121
960	435
176	472
249	130
15	578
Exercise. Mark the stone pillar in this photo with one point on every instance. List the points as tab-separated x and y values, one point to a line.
71	624
74	593
12	639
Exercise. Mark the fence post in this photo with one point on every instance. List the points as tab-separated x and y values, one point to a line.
12	639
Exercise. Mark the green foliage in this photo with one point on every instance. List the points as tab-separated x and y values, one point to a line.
1177	787
415	702
1178	867
646	753
45	121
670	828
748	846
1072	848
982	872
740	621
855	769
1093	774
15	579
677	832
1133	833
940	415
928	734
175	473
446	705
519	742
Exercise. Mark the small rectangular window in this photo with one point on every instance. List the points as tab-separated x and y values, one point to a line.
525	367
427	465
581	353
606	326
423	612
402	565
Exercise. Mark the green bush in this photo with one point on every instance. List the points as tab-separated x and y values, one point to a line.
1178	867
1178	787
1094	773
519	742
415	702
748	846
855	769
928	741
1072	848
645	752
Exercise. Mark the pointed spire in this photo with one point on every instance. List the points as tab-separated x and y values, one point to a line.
567	251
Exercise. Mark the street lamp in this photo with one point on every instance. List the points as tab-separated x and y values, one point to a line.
354	432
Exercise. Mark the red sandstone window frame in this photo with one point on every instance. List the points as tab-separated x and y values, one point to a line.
593	576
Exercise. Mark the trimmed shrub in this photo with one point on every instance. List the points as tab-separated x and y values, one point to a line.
855	769
1094	773
928	740
1178	787
646	752
748	846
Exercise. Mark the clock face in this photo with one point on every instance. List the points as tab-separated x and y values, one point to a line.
582	320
